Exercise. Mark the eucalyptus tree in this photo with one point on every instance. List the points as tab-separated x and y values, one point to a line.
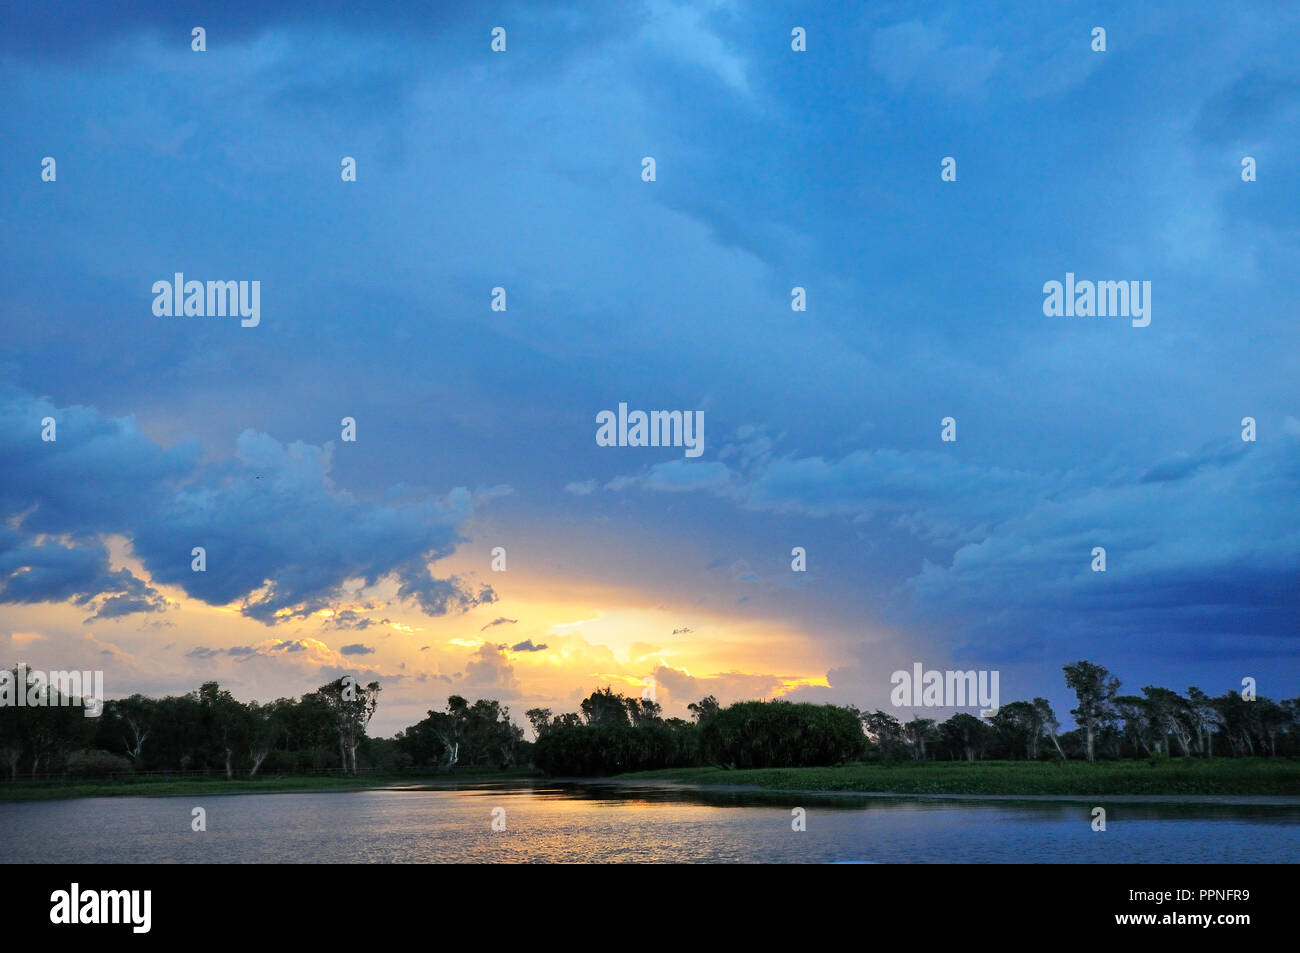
1095	689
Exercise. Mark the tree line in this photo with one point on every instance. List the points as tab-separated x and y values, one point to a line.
208	731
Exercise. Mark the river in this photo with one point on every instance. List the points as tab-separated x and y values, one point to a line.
604	823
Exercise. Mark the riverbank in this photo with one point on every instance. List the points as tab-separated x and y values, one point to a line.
21	790
1178	776
1181	778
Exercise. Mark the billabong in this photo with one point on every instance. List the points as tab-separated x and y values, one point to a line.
218	299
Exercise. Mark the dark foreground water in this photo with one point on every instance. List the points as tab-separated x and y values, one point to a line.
563	823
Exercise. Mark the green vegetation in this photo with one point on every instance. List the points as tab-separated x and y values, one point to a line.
769	734
209	733
143	786
1158	742
613	734
1158	776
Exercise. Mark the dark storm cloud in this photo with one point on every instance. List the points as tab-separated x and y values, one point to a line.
52	571
278	534
527	646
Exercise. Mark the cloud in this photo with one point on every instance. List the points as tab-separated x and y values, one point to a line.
1197	548
352	619
499	620
356	649
1193	530
914	486
54	570
1183	465
528	646
280	536
727	687
488	674
1245	109
677	476
235	651
915	54
580	489
680	30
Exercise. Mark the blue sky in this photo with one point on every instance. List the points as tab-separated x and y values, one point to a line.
775	169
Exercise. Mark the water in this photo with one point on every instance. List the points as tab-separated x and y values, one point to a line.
601	823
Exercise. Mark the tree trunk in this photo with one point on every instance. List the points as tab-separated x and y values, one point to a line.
230	770
1091	751
1057	745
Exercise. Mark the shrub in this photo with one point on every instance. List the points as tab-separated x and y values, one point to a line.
613	749
782	734
95	763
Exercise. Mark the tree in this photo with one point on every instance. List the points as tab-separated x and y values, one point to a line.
132	717
352	707
1139	729
1171	715
227	719
53	728
604	707
265	725
11	738
643	711
1273	719
1205	717
1240	724
703	709
781	734
540	719
488	735
916	733
884	729
965	733
1094	687
1018	725
438	739
1050	726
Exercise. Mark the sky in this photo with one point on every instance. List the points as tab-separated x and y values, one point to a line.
476	428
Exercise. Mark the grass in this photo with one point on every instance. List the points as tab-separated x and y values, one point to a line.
1216	776
1221	776
21	790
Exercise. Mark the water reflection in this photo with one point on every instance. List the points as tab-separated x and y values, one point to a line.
600	822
